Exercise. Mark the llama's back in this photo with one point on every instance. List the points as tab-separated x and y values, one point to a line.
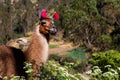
11	61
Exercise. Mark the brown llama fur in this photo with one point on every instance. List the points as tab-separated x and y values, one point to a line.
12	59
37	52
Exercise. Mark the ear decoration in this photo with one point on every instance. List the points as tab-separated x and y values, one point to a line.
43	14
56	16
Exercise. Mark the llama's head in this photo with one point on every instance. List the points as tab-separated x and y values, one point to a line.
47	26
47	23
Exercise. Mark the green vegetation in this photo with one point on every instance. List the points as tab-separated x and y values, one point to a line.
108	64
94	25
54	71
109	74
29	70
102	59
84	21
77	54
53	46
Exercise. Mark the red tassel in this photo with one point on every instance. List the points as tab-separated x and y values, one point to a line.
56	16
44	13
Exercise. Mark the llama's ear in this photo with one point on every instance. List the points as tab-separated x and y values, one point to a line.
56	16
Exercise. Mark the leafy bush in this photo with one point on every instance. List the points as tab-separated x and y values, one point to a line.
101	59
97	73
86	21
116	37
14	78
29	70
54	71
105	41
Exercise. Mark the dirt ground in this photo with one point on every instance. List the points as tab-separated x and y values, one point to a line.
63	47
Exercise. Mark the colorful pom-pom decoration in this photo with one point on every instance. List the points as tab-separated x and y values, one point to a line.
43	13
56	16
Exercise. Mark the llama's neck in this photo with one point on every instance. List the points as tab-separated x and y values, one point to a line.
47	36
38	49
42	38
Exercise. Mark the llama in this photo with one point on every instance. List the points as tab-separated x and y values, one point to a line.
11	62
37	51
12	59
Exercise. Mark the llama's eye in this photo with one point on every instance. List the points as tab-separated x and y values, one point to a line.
43	23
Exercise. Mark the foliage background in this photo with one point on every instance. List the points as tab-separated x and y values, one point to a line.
94	25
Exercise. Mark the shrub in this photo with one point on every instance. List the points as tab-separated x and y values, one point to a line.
97	73
54	71
101	59
85	22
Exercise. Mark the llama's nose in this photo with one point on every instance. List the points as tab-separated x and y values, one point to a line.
53	30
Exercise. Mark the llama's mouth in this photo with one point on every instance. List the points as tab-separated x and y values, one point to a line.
53	31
